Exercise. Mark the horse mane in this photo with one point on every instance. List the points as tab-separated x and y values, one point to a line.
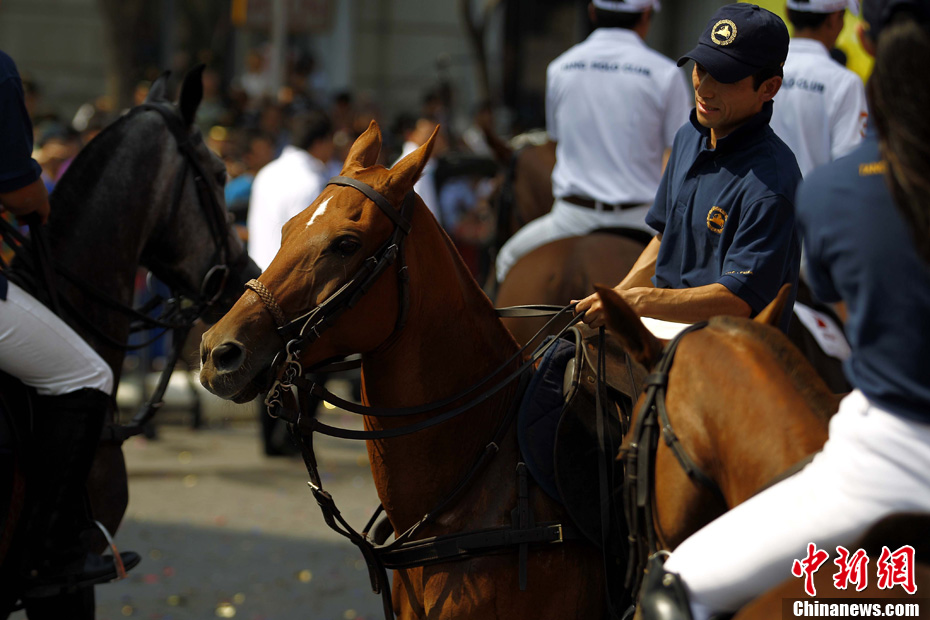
802	375
86	169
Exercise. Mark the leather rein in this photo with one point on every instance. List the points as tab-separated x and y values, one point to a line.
181	312
403	551
640	459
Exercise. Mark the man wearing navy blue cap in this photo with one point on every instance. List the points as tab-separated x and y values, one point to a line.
724	210
876	460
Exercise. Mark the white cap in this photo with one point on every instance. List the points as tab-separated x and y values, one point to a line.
626	6
824	6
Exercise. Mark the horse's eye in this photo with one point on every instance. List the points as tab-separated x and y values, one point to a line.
346	246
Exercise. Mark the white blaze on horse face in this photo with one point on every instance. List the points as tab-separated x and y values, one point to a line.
319	211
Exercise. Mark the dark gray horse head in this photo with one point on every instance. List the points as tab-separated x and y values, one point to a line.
147	191
199	181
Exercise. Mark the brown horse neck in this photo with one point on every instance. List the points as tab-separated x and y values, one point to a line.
452	340
765	430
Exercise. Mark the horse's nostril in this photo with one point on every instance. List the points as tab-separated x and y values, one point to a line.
228	356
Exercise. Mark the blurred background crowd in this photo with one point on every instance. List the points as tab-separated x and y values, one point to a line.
248	125
273	67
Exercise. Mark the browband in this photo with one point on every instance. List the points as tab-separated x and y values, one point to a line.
375	197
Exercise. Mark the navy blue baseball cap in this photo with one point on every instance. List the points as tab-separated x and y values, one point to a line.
740	40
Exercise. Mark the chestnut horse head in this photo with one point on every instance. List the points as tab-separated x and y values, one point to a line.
323	247
744	403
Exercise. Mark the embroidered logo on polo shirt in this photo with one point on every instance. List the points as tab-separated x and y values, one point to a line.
716	218
724	32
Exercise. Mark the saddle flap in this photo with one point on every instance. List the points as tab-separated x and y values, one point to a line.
539	414
577	453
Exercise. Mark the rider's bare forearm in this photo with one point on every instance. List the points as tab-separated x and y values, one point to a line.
644	267
688	305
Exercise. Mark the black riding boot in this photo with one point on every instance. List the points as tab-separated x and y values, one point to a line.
663	596
66	431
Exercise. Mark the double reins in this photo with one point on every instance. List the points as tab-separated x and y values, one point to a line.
214	281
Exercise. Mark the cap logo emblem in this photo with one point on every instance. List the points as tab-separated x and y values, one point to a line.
724	32
716	219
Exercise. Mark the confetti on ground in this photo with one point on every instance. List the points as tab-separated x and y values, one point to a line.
225	610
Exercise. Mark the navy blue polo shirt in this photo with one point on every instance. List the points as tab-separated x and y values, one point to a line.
859	250
17	167
727	214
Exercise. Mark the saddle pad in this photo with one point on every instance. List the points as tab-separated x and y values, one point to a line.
664	330
538	417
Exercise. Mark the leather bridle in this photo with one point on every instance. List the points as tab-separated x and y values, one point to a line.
214	281
309	326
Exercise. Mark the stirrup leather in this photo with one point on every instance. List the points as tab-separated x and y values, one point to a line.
117	557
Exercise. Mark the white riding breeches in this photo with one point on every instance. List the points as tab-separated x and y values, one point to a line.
43	352
874	463
565	220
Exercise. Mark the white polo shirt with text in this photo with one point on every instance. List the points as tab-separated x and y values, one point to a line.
820	110
613	105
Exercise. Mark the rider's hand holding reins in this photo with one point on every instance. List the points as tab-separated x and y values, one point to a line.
593	308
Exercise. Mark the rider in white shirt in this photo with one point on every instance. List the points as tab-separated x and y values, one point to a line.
288	185
821	110
613	106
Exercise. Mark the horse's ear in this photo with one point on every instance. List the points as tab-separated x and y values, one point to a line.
625	325
191	94
159	88
365	150
771	314
406	172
